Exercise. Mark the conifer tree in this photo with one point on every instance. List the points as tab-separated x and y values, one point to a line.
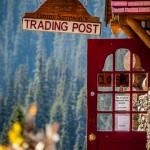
56	116
2	109
81	120
29	96
17	116
51	80
21	84
69	125
40	91
9	99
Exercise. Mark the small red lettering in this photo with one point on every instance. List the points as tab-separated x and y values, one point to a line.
95	25
64	26
89	28
40	25
82	27
33	24
27	23
75	26
47	25
57	25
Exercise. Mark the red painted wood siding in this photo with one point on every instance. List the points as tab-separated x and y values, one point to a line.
131	6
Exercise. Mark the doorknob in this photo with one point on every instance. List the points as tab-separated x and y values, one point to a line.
92	137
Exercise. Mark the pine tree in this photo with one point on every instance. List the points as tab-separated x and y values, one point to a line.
56	115
9	99
21	84
51	80
17	116
40	91
29	96
2	109
69	126
81	120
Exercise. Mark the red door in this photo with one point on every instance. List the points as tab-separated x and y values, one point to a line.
117	87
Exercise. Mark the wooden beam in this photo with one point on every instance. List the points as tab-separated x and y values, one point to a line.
137	28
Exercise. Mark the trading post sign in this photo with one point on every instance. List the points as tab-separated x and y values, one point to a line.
62	16
60	26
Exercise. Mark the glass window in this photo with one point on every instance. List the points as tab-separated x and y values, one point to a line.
122	81
108	66
140	82
139	122
136	66
122	122
122	102
140	102
104	122
122	60
104	81
104	102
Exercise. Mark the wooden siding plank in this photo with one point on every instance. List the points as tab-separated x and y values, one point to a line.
144	9
130	6
147	3
136	3
131	9
117	10
130	3
118	3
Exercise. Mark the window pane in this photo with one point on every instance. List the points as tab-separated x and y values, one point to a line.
122	102
139	122
104	122
104	81
140	102
122	60
122	122
137	63
104	102
140	82
122	81
108	66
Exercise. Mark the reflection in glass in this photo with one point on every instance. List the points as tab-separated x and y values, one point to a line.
104	122
104	102
122	80
137	63
108	66
122	62
122	122
140	81
140	102
139	122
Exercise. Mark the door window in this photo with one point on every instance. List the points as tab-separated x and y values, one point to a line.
122	87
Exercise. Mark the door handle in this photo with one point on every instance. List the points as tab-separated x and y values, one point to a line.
92	137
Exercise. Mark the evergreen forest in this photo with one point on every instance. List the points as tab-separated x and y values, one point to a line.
44	68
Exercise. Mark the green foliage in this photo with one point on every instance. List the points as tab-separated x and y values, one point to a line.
17	116
41	91
21	84
29	99
81	119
